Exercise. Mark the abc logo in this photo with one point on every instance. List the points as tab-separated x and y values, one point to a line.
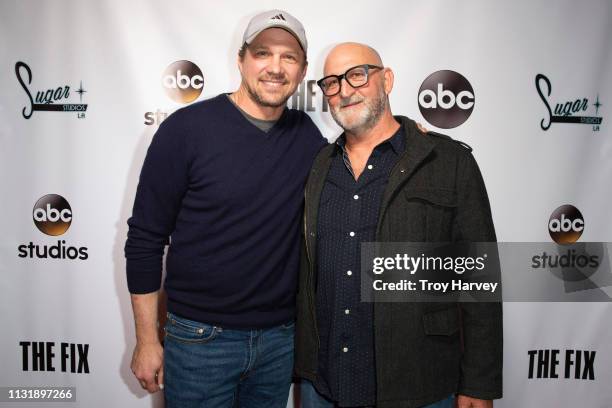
52	214
566	224
446	99
183	81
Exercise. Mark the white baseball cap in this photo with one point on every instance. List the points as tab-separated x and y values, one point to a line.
279	19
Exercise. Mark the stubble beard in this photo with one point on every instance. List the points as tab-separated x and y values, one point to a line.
263	100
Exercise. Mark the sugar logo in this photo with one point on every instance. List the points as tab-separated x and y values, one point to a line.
183	82
573	111
52	215
566	224
48	100
446	99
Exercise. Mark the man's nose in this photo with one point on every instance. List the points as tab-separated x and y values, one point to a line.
346	89
275	65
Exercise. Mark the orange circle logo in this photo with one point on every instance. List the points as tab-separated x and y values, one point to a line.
183	81
52	214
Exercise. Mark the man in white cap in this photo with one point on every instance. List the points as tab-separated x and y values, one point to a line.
224	178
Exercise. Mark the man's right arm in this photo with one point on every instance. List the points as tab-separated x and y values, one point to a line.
161	188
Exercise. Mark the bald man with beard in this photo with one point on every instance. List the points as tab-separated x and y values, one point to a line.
383	181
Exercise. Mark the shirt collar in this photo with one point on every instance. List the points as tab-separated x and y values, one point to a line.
397	142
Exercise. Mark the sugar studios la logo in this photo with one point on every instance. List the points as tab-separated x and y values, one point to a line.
575	110
182	81
52	215
57	98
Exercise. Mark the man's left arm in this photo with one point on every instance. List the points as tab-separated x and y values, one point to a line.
482	360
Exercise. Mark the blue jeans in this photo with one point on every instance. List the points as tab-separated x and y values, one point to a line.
310	398
212	367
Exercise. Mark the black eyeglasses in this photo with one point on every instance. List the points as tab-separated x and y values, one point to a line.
356	77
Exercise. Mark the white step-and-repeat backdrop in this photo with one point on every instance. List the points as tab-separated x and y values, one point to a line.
85	84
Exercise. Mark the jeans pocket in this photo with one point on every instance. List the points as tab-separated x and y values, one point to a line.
189	331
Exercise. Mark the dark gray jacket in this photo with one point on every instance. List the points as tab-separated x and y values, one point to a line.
424	351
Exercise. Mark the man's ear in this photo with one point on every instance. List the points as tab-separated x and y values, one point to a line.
239	63
389	77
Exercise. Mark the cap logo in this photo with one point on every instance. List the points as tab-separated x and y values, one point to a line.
278	17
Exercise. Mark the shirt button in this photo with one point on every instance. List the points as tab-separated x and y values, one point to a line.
352	234
349	273
345	349
370	167
347	311
356	197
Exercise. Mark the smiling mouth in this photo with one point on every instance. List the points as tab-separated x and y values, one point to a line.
350	105
273	83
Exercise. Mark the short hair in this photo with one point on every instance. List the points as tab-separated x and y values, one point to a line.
242	50
245	46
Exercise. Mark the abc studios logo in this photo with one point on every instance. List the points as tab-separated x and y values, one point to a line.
183	81
52	214
446	99
566	224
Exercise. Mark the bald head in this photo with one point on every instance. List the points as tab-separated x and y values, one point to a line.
346	55
359	103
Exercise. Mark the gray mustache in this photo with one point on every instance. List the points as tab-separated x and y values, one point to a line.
348	101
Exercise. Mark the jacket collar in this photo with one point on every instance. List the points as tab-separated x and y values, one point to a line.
418	147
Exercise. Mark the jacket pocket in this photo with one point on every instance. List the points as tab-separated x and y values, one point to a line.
433	196
433	211
441	322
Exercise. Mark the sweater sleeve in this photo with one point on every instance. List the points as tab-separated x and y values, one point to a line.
161	187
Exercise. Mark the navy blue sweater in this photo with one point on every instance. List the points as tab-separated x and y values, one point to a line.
227	198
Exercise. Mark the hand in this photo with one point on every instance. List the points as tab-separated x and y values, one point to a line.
148	366
463	401
422	128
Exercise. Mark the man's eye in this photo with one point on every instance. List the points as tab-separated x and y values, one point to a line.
330	84
261	53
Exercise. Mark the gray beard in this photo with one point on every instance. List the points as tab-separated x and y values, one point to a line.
369	117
